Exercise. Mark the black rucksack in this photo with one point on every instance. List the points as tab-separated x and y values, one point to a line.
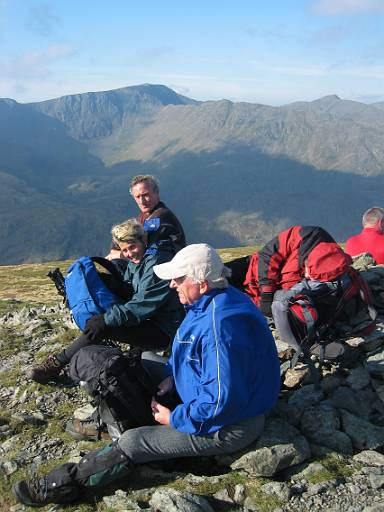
319	321
120	387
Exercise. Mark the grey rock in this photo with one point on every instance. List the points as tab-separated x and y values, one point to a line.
377	481
9	467
280	446
350	400
85	412
34	419
315	489
363	434
281	490
323	417
306	397
295	376
223	495
288	413
370	458
358	378
375	365
378	386
330	382
309	470
171	500
239	493
374	508
321	425
120	502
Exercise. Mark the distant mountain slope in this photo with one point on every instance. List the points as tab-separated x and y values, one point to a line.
152	122
234	172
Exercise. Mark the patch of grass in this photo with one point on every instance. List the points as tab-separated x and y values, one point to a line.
66	336
10	342
264	502
7	306
29	283
9	377
334	468
228	481
208	487
232	253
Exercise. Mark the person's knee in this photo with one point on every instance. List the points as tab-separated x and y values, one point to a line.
279	308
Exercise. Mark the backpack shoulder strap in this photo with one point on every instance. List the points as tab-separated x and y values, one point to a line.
108	265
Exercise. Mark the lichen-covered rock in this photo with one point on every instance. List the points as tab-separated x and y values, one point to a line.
370	458
364	435
350	400
306	397
171	500
280	446
322	427
375	365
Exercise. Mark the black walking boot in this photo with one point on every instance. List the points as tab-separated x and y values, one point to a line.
70	482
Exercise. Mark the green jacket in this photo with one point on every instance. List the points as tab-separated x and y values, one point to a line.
152	297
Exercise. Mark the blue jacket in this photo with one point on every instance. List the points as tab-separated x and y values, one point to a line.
152	297
224	363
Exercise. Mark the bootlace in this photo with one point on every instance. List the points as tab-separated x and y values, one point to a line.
49	362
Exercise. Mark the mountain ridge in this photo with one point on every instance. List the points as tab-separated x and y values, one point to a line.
235	173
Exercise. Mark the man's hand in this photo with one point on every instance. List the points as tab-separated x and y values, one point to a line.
94	327
160	413
165	386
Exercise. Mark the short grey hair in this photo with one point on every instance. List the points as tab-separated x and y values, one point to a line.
220	283
372	216
145	178
130	231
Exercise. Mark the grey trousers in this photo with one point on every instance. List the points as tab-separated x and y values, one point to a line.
145	444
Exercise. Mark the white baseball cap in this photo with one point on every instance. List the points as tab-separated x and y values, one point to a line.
198	261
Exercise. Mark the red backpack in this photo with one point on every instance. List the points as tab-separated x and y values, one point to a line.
352	314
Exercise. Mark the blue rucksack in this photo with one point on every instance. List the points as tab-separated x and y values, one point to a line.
86	293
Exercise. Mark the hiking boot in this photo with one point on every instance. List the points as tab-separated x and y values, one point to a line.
32	492
87	430
47	371
56	487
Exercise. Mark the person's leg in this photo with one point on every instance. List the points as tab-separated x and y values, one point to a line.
145	444
280	311
68	482
239	268
146	335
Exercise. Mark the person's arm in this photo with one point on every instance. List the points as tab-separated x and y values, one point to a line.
152	293
189	417
114	254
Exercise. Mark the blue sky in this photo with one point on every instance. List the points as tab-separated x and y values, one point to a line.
271	52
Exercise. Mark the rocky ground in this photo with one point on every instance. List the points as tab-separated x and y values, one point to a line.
322	449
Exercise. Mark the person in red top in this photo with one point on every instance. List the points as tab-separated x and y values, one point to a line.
371	238
283	261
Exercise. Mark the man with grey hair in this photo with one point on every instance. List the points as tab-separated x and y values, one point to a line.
161	225
371	238
224	367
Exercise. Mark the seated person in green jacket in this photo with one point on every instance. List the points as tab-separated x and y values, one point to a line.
149	319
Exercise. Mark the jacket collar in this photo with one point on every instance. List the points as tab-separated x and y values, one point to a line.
371	229
204	301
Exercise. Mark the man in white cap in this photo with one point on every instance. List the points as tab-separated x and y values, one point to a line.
224	367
